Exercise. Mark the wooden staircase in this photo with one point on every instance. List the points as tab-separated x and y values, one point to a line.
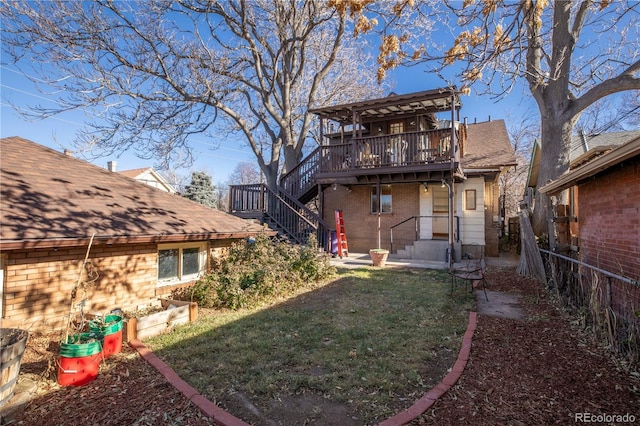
281	211
300	182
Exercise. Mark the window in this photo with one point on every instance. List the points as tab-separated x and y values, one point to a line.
396	127
470	199
385	199
180	262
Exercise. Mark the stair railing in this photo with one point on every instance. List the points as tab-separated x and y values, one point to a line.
416	227
302	177
288	214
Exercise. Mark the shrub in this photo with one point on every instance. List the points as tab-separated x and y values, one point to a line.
260	270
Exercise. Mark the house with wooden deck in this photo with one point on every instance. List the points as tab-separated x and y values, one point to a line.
405	173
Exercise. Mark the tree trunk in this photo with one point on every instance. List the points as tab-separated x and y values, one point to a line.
271	175
554	161
292	157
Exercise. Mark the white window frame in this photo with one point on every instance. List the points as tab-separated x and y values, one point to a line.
202	262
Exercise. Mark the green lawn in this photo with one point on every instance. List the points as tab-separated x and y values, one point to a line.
372	339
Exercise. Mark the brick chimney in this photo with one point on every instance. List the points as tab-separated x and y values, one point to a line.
111	166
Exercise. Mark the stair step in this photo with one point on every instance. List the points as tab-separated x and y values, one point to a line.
434	250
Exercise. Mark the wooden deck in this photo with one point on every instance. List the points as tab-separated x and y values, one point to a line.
403	157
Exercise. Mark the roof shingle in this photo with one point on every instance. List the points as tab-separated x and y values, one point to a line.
488	146
48	199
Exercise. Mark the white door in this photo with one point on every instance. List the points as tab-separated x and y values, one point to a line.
440	229
426	210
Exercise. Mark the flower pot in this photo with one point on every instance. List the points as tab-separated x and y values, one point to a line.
379	257
79	360
12	344
111	328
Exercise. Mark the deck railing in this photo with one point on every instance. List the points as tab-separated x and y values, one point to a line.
287	213
396	150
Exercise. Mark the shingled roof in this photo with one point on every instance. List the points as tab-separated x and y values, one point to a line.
487	146
49	199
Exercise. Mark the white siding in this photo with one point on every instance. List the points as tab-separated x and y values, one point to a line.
471	221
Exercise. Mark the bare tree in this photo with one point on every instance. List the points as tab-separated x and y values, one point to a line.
244	173
611	115
523	132
222	196
155	72
570	54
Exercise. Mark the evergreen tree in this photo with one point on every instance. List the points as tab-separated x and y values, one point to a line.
201	190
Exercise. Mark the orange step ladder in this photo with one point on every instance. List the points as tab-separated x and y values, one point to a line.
343	249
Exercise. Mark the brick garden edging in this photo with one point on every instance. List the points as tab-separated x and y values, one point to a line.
429	398
223	418
218	415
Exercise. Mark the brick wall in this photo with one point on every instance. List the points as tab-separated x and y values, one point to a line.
360	225
38	282
609	220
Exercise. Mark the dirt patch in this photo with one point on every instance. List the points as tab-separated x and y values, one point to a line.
499	304
540	370
128	391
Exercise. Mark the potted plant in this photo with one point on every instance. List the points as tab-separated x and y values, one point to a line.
379	255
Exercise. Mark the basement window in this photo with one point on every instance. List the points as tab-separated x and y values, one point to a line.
178	263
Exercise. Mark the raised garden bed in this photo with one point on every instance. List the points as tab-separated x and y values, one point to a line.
173	313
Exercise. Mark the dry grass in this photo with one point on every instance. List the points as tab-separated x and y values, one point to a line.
371	341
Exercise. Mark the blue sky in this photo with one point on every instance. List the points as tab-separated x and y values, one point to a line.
58	132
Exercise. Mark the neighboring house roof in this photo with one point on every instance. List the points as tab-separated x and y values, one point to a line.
49	199
591	168
583	148
581	144
487	146
149	176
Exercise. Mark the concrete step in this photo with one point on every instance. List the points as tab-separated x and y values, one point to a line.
431	250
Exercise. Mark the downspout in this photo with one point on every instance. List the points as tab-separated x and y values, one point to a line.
378	190
452	148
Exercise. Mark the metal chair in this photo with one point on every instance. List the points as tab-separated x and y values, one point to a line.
475	270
